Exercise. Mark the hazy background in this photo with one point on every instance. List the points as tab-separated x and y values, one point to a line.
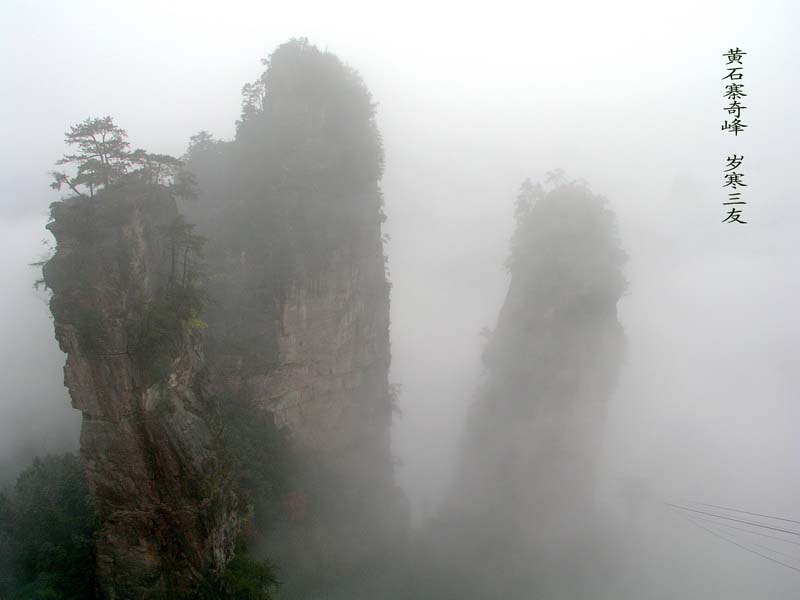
472	99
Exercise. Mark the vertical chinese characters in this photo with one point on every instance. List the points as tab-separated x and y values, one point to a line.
734	93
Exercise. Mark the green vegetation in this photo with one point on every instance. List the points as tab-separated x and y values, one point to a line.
175	311
298	183
47	524
244	578
261	456
551	366
302	174
104	173
103	159
47	527
566	237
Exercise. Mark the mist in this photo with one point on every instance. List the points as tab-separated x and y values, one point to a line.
471	101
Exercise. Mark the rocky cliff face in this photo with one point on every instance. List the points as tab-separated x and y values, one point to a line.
329	386
148	441
527	474
297	324
299	319
311	347
316	355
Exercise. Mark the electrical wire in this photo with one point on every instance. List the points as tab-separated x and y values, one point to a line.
755	514
702	512
714	533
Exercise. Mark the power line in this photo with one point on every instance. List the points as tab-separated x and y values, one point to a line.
702	512
792	556
755	514
712	532
766	535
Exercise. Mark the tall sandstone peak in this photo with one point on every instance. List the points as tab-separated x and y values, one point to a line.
167	513
297	326
528	464
300	319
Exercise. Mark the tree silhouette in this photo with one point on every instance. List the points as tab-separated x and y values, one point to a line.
102	155
103	158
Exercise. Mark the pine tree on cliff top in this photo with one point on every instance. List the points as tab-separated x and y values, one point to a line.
103	158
